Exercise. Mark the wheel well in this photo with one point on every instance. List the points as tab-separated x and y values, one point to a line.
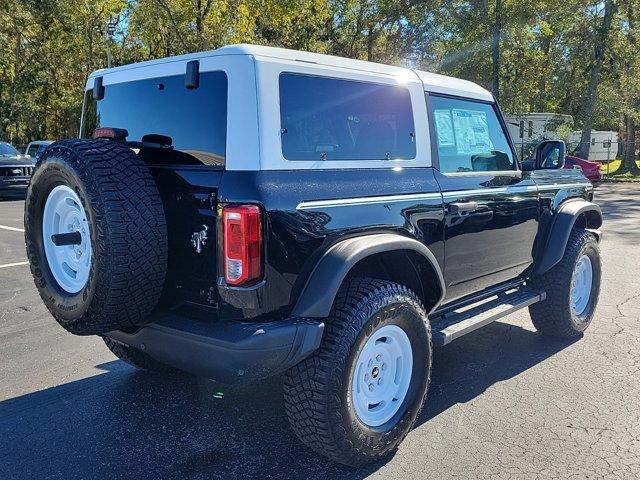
588	219
572	215
405	267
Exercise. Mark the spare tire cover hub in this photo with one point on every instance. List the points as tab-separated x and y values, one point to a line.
69	264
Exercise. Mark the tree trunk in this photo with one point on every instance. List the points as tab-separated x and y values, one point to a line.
370	40
540	101
589	99
199	25
14	84
201	15
628	164
495	50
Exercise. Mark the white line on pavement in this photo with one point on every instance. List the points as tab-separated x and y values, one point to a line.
17	264
13	229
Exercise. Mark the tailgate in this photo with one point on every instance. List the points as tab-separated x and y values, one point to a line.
189	197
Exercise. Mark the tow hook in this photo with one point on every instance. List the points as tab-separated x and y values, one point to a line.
199	238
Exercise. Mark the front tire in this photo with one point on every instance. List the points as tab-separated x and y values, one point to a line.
358	396
572	287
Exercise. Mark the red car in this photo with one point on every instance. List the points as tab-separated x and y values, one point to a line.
590	169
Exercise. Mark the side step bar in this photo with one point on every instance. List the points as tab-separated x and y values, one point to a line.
464	320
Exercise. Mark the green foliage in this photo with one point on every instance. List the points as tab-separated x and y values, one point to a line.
545	48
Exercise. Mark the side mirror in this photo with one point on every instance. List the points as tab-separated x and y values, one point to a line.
550	154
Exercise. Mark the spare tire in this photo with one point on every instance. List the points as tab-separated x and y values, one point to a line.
96	236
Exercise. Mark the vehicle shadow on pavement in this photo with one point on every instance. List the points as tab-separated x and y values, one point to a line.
124	423
467	367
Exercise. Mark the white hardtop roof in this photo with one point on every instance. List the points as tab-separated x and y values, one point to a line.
432	81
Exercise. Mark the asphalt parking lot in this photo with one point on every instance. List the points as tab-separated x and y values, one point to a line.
504	401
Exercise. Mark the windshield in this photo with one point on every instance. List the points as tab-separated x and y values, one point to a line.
7	150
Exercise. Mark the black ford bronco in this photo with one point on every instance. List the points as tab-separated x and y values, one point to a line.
253	211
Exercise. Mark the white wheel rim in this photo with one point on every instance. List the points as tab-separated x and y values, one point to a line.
581	282
382	374
69	264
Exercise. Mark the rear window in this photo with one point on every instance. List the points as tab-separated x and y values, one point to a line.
195	119
331	119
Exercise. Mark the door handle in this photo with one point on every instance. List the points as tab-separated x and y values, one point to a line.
462	208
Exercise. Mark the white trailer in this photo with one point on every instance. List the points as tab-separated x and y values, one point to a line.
603	146
532	127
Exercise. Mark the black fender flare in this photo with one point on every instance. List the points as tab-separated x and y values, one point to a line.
563	222
316	298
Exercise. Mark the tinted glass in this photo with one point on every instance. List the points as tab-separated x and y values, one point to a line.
330	119
195	119
6	149
469	136
33	150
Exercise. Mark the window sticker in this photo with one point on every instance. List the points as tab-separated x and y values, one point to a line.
471	129
444	128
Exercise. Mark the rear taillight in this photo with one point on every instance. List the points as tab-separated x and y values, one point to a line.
242	244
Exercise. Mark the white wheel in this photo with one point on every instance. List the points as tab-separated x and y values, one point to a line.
381	377
581	282
69	263
356	398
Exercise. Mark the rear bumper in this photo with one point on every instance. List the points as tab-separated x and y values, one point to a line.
229	352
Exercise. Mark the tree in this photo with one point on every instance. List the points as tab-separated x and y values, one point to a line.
629	88
600	42
572	57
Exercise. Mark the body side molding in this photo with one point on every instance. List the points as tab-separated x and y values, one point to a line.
565	219
323	283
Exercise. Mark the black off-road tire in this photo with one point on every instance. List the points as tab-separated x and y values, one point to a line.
127	229
317	390
137	358
554	316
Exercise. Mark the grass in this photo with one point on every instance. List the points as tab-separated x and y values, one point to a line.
609	171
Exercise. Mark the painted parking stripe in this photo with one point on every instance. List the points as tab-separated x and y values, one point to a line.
12	229
17	264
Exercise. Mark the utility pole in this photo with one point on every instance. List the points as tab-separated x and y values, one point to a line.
112	24
108	33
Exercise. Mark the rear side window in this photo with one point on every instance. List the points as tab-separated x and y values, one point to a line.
332	119
195	119
469	136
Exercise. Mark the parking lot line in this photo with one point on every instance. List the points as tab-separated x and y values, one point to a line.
16	264
12	229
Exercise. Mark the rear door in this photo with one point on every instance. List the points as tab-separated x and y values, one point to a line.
194	122
491	207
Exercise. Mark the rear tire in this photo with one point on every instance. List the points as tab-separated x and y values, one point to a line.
136	357
326	406
102	190
571	298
